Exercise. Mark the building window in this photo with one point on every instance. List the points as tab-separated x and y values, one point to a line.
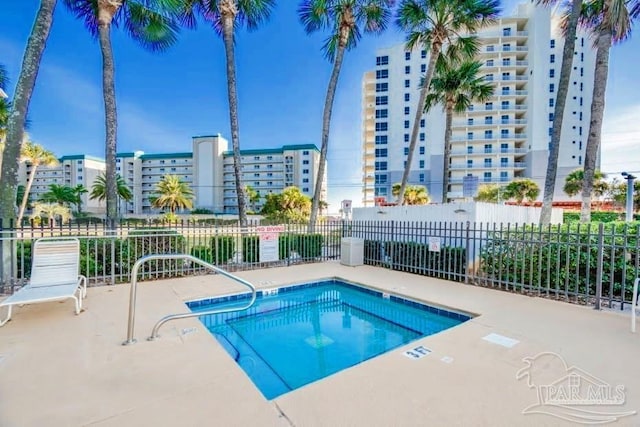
382	87
469	163
305	153
382	74
423	68
305	180
407	56
406	151
552	88
488	148
504	176
552	58
382	60
406	124
504	133
305	171
488	120
423	54
489	63
488	162
488	77
551	102
406	137
550	117
381	139
470	149
381	152
488	106
382	100
506	31
382	126
469	135
488	134
422	149
505	105
407	69
407	111
304	162
421	136
504	161
407	83
422	123
421	164
421	177
381	178
552	73
506	47
506	61
552	43
382	114
407	97
381	166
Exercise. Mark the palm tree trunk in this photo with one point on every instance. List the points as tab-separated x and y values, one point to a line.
447	152
20	104
558	112
111	118
326	126
603	45
435	53
227	35
25	197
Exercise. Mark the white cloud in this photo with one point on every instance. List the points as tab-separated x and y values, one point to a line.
620	140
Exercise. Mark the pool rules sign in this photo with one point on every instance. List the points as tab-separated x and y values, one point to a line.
269	242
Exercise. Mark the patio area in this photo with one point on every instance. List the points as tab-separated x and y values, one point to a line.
58	369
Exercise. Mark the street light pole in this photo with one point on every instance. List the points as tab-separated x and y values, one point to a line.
630	178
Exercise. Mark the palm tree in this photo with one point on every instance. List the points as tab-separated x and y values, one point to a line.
78	191
520	189
60	194
346	20
610	21
252	196
431	25
574	180
570	28
19	106
36	155
225	16
99	188
51	211
4	106
455	86
148	22
172	193
413	195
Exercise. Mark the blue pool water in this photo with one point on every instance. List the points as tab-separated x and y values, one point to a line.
296	335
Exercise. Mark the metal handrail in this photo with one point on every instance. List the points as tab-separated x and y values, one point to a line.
134	287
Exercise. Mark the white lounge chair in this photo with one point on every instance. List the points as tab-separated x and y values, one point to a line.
55	264
634	304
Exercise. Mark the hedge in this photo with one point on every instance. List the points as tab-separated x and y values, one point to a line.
305	245
598	216
565	259
222	248
450	262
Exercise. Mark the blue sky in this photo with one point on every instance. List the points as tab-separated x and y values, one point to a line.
164	99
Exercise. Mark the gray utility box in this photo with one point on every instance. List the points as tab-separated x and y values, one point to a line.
352	251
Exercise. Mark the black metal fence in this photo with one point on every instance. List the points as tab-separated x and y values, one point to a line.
583	263
588	264
107	255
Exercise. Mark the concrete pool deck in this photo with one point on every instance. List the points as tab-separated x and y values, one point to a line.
58	369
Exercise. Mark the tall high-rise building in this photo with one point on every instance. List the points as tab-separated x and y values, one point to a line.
504	138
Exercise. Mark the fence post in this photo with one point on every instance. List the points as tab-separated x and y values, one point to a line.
599	267
469	260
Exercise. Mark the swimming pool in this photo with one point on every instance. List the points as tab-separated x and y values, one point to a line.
298	334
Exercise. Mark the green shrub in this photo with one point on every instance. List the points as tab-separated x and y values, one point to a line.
23	252
203	253
564	260
147	241
250	248
222	248
597	216
305	245
449	262
201	211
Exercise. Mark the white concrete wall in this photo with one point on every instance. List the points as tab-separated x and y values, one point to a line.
456	212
